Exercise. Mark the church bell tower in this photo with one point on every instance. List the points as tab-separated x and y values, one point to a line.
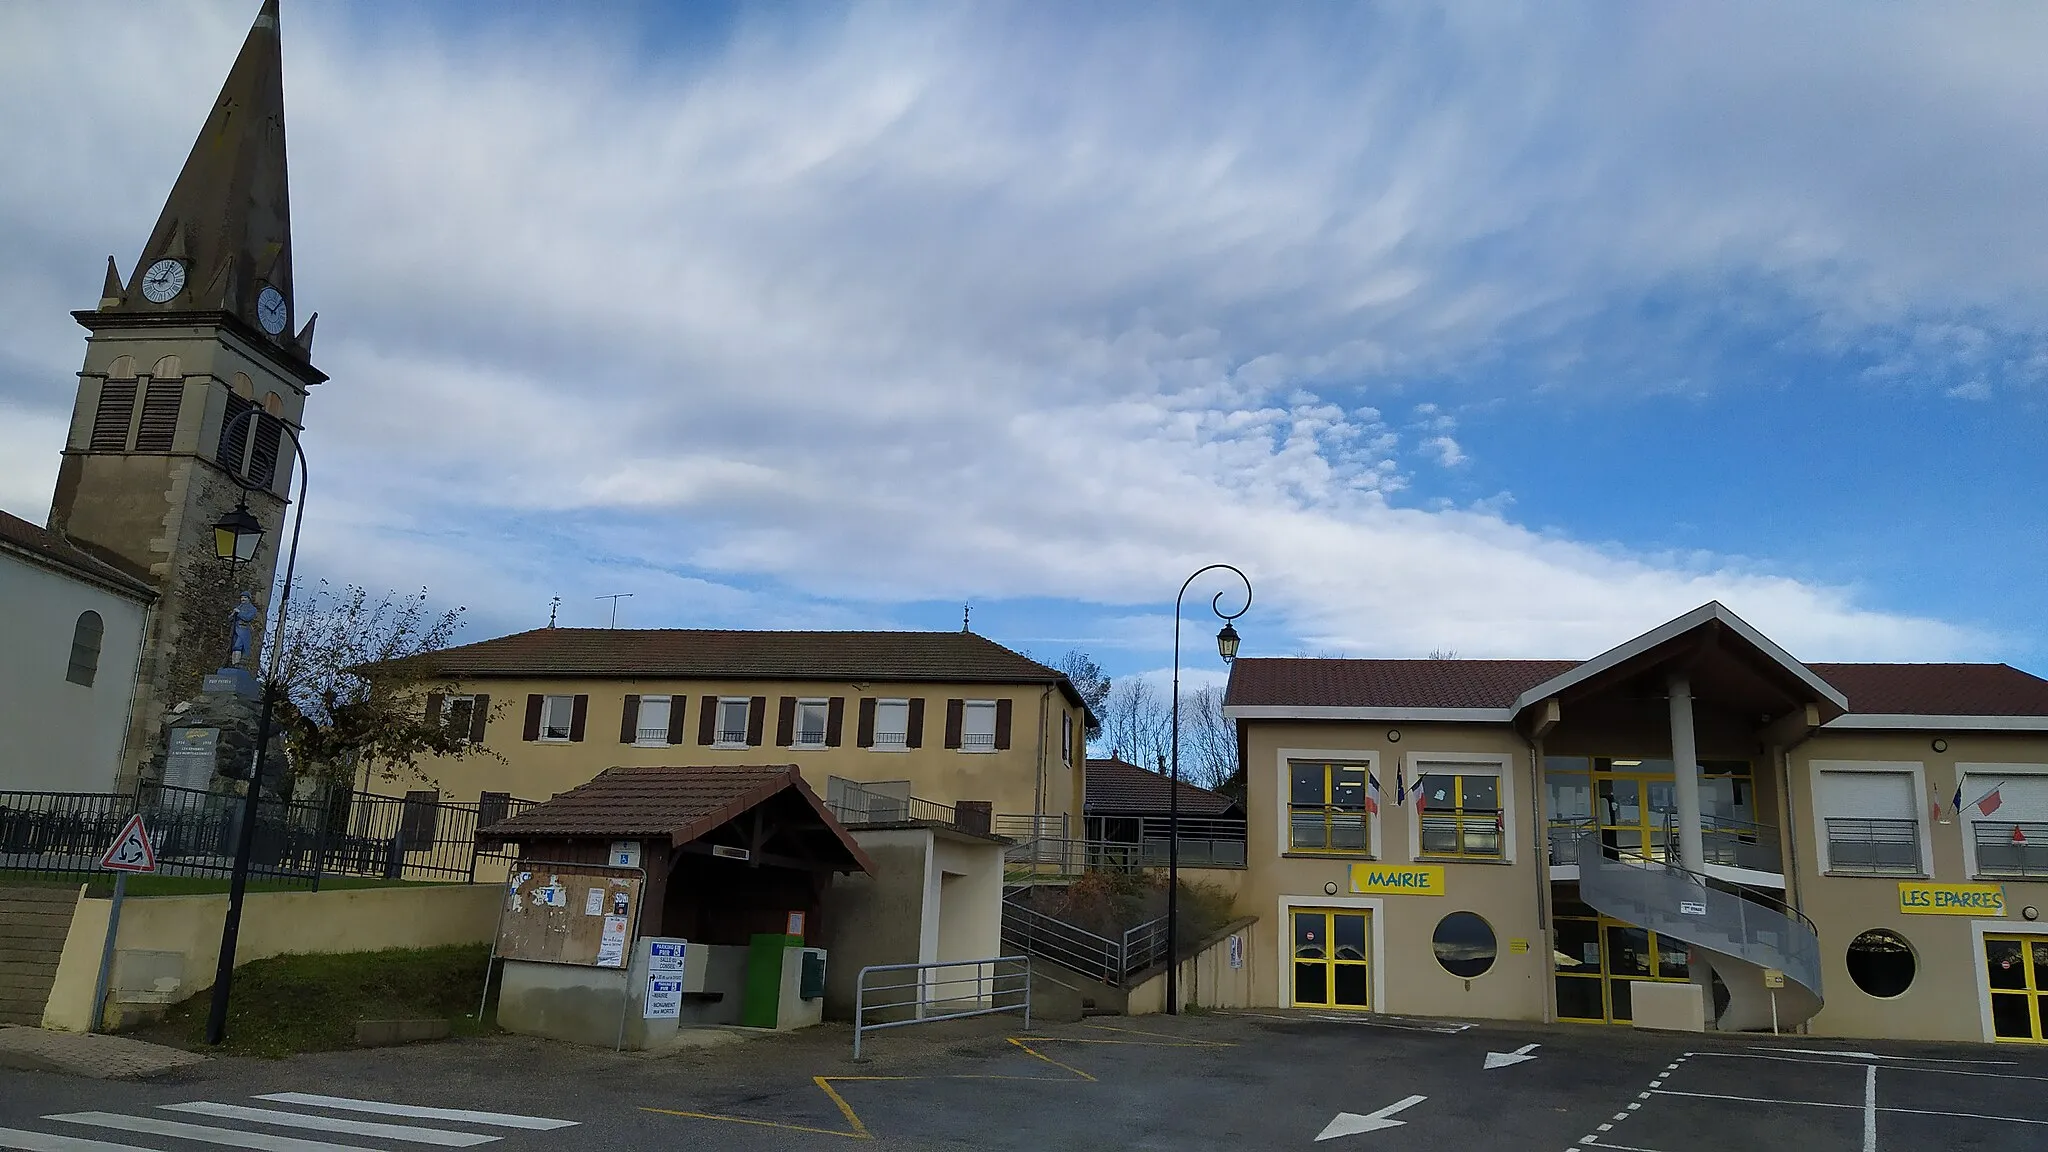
201	333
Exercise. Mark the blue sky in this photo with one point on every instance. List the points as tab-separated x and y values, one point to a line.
1463	329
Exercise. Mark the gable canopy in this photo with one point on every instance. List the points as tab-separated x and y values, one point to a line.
689	805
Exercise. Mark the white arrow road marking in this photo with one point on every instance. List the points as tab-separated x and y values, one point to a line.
1351	1123
1503	1059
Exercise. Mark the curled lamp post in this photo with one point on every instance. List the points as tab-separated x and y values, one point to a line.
236	538
1226	647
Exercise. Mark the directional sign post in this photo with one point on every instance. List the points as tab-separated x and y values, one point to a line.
131	851
1503	1059
1351	1123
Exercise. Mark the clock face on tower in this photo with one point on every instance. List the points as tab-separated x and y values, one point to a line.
165	279
271	311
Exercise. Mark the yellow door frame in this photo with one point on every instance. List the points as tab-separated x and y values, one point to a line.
2034	973
1330	962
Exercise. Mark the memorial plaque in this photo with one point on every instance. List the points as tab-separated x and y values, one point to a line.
193	756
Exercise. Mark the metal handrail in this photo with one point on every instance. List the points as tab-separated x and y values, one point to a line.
1994	839
988	987
1092	954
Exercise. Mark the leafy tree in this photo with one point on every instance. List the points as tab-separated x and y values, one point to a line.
352	684
1091	683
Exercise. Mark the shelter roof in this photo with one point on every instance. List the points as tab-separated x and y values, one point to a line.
1117	786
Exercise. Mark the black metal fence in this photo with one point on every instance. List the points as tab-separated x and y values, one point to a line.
296	842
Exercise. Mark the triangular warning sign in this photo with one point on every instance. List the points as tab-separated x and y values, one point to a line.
132	851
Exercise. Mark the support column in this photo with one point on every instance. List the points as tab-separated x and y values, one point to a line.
1685	776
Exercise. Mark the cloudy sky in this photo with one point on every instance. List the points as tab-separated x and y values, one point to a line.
1458	329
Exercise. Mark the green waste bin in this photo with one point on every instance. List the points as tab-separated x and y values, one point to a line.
763	1005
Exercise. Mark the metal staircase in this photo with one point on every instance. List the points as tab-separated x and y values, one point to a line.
1742	930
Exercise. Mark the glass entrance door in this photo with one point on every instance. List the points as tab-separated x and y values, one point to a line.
2017	970
1332	958
1599	960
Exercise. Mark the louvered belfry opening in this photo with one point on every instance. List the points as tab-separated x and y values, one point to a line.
110	419
159	425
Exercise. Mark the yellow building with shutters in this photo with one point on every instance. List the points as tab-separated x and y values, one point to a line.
940	718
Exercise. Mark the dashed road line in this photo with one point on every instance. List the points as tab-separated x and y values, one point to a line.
1597	1137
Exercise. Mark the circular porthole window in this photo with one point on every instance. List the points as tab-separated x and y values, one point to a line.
1464	944
1881	963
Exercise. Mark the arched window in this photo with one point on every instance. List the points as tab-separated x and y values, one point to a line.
85	648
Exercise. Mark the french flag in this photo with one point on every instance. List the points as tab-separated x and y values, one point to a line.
1372	795
1990	802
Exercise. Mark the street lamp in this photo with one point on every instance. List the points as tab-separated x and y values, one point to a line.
235	538
1226	647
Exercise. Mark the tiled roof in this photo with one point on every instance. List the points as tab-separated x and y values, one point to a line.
1937	689
679	803
54	549
1119	786
1872	689
1333	683
703	653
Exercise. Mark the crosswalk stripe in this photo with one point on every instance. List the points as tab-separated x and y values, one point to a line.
259	1140
345	1104
48	1142
441	1136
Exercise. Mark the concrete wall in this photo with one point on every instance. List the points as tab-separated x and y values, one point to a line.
1944	1000
1009	778
1406	976
63	737
273	924
1206	979
878	918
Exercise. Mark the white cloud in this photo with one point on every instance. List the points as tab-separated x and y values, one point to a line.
900	306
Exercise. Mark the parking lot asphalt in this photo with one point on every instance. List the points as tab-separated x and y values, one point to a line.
1252	1080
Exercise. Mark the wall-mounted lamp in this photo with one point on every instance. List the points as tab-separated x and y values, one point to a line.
1940	745
1393	735
2030	912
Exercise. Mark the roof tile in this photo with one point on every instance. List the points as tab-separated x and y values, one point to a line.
1120	786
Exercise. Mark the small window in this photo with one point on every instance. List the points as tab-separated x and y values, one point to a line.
85	648
810	723
1330	808
1464	944
1067	739
1881	963
557	717
1460	814
458	715
651	727
1871	820
892	724
732	721
978	726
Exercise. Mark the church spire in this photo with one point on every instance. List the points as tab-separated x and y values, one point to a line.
224	242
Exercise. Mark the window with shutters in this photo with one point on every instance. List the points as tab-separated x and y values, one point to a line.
110	419
2005	820
1871	819
86	635
732	721
892	725
652	726
978	726
811	716
458	715
557	717
158	427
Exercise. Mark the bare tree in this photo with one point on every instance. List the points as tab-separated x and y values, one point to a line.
353	683
1208	738
1136	723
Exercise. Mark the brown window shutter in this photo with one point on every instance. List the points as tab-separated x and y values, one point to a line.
1002	724
956	718
785	721
577	716
864	729
110	419
678	718
479	717
707	722
757	719
434	708
835	719
159	425
533	702
629	720
915	737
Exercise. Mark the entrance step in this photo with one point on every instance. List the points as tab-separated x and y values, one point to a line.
34	923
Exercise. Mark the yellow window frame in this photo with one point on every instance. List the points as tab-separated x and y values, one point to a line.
1492	821
1328	810
2036	977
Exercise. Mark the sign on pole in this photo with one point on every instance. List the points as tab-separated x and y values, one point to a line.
131	850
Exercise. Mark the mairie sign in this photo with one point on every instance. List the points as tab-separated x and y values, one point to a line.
1917	897
1398	879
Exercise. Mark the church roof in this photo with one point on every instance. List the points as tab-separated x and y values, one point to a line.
55	551
228	216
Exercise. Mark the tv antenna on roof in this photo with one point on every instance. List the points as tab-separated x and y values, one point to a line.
966	611
554	605
614	598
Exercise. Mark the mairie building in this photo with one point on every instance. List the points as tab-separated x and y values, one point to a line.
1693	823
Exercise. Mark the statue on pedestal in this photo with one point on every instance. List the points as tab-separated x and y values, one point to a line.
244	637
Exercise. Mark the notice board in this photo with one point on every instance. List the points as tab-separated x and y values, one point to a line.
570	914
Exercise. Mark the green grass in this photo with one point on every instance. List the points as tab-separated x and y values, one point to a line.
102	884
290	1004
